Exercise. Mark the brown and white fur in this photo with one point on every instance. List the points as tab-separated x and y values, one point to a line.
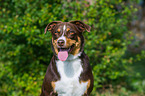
72	77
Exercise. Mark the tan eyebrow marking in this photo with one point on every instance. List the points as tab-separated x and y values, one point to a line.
67	29
58	30
77	23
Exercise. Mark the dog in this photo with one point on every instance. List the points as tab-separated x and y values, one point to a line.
69	72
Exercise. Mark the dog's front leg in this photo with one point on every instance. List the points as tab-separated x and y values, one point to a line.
53	93
85	94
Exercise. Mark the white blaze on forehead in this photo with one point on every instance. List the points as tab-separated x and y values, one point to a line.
62	36
64	27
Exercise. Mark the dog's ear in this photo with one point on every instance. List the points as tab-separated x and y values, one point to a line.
51	25
81	26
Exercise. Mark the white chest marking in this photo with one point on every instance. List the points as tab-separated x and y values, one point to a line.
70	71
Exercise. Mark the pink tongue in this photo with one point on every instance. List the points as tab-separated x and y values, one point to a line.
62	55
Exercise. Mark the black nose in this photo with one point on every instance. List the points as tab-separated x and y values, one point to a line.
60	42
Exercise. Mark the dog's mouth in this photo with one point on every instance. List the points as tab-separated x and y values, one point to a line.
63	52
66	49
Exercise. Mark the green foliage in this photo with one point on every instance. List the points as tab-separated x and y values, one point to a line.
25	51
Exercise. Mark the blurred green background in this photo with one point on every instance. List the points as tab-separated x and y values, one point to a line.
25	51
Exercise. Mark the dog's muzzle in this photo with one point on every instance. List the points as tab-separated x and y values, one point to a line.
60	43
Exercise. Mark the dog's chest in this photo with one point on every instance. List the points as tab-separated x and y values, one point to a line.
69	84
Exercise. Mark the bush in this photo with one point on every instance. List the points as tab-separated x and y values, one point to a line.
25	51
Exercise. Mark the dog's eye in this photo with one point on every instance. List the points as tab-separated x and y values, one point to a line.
71	32
56	32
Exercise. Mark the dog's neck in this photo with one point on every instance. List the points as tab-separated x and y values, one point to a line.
72	57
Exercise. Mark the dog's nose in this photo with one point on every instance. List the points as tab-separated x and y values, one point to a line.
60	42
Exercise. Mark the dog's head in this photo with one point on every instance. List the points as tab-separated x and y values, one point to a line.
67	37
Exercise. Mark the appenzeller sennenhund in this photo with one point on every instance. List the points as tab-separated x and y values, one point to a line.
69	72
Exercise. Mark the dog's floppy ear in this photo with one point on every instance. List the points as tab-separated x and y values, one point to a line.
81	26
51	25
